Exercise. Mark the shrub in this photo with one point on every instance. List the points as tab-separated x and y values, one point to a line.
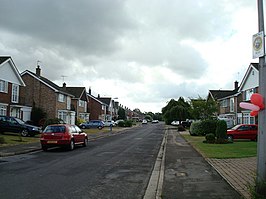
208	126
53	121
210	138
128	123
195	128
79	121
121	123
221	130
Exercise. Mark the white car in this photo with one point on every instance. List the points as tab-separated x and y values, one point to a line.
144	122
109	123
175	123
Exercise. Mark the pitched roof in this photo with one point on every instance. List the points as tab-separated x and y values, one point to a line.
76	91
96	99
252	66
47	82
106	100
4	58
219	94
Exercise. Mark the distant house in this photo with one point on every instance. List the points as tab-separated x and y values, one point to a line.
110	111
43	93
10	87
97	108
79	103
229	100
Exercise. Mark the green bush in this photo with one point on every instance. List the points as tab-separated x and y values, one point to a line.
221	130
53	121
210	138
121	123
195	128
203	127
79	121
128	123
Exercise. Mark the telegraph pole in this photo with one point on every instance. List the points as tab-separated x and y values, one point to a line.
261	157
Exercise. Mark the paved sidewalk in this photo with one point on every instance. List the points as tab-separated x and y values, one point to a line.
239	173
189	176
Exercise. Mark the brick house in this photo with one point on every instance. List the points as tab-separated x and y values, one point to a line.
43	93
10	90
229	100
79	102
97	108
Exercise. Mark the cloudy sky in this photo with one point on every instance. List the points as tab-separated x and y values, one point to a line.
143	52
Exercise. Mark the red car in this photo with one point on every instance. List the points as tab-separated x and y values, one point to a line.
243	131
63	135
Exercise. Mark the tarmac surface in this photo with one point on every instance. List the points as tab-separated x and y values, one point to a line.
186	173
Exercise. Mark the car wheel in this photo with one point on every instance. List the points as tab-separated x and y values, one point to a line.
85	143
230	138
83	127
71	145
24	133
44	148
99	127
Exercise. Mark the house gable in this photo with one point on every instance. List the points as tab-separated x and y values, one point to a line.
251	78
9	71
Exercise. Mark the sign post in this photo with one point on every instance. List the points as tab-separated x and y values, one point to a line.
258	46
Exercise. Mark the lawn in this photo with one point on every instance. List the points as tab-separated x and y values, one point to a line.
14	139
238	149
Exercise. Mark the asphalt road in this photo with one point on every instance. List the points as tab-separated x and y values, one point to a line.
113	167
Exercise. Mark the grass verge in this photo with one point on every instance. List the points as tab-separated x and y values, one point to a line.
238	149
9	139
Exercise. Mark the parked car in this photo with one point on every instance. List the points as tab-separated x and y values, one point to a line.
16	125
144	122
92	124
117	121
243	131
175	123
109	123
63	135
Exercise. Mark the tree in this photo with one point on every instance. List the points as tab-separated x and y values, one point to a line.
203	109
176	110
121	113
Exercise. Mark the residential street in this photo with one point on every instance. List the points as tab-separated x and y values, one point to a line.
114	167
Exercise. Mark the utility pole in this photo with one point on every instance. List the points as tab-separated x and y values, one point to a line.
261	157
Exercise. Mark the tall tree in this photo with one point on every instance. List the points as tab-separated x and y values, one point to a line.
203	109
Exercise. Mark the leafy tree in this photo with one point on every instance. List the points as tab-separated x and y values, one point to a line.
203	109
37	115
176	110
121	113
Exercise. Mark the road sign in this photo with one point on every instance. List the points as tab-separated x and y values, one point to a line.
258	45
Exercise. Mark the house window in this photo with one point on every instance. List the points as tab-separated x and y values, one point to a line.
224	103
81	103
61	97
248	94
3	86
62	115
68	103
232	105
85	106
3	110
15	93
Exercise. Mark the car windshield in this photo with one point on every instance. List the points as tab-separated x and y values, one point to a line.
54	129
235	127
19	121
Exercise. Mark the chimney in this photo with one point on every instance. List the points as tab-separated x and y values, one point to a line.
236	85
98	95
64	86
38	71
90	90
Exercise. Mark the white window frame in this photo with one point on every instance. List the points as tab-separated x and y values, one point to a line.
61	97
3	109
232	104
68	102
15	93
3	86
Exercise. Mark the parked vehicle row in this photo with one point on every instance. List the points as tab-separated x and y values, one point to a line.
15	125
243	131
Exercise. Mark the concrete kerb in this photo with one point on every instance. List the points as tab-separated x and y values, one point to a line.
154	188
